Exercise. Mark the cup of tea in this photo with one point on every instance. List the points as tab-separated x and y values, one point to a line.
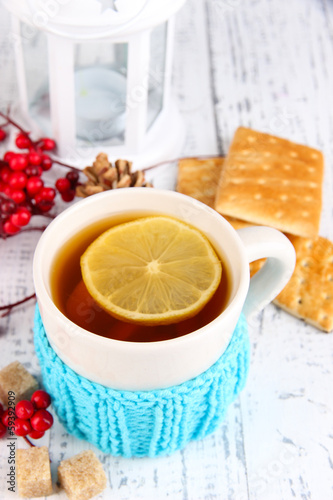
144	363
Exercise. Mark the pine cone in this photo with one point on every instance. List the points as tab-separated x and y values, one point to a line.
102	176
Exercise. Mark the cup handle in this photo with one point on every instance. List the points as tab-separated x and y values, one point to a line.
266	242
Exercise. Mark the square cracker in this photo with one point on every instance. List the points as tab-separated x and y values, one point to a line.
272	181
309	293
198	178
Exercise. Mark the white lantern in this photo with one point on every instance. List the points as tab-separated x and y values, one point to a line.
96	76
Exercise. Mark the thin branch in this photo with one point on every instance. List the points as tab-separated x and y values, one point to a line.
65	165
9	307
165	162
28	441
12	122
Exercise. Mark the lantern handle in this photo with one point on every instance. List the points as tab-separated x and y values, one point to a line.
107	33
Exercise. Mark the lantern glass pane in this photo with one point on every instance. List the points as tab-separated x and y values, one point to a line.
158	41
34	50
100	91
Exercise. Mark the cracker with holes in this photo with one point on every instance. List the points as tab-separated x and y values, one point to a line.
309	293
272	181
198	178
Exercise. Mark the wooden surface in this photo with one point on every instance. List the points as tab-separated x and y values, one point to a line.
266	64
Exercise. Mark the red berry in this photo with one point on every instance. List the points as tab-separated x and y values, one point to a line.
45	206
41	420
9	228
68	195
18	195
73	177
7	207
36	434
45	194
3	134
5	418
5	174
47	144
8	417
41	399
9	155
18	162
24	409
18	180
3	430
22	141
7	190
34	158
20	218
63	184
34	185
38	199
34	171
1	410
46	162
22	427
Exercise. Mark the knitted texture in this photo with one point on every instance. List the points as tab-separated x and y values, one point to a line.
144	423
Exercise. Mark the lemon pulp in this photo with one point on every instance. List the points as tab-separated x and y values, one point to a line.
153	270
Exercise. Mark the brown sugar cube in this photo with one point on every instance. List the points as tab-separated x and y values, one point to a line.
272	181
309	293
82	476
14	377
198	178
33	472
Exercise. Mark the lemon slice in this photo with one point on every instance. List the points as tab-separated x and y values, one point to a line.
153	270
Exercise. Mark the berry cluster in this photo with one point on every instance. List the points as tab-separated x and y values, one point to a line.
30	418
66	185
22	189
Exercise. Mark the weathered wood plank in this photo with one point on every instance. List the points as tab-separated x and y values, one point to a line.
268	65
273	72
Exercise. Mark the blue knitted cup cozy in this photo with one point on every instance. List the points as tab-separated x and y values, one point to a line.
144	423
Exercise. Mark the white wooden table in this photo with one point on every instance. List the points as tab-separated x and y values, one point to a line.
266	64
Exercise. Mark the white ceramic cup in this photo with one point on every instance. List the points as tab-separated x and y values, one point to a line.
153	365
